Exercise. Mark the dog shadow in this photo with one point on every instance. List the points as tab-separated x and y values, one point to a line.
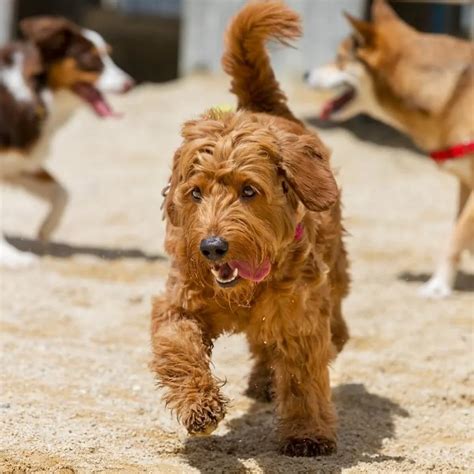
365	421
62	250
464	281
368	129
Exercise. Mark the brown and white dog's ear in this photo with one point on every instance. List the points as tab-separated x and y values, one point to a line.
49	32
304	161
382	11
364	30
32	65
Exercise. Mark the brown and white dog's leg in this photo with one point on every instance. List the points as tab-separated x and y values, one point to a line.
181	363
43	185
10	257
307	420
462	238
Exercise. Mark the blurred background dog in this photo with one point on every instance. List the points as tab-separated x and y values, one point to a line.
43	79
423	85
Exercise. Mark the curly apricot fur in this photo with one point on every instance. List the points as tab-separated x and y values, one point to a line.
293	317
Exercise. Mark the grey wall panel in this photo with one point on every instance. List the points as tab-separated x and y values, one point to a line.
204	23
6	18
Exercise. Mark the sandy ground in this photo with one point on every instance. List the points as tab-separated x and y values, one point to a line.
76	393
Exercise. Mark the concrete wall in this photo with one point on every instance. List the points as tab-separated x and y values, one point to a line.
204	23
6	15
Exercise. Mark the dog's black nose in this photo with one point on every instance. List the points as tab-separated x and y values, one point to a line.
214	248
306	76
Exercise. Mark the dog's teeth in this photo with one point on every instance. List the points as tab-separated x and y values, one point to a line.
234	275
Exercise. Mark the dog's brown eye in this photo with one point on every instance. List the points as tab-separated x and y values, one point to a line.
196	194
248	192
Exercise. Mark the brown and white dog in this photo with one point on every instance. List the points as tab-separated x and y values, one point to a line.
42	82
423	85
254	233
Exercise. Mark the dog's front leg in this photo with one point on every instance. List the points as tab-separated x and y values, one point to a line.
307	420
42	184
181	357
462	238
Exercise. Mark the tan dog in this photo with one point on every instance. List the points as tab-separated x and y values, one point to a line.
255	238
423	85
43	80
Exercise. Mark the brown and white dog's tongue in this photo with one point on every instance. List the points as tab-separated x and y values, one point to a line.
248	272
93	97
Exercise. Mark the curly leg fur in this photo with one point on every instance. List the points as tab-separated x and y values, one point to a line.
181	364
307	420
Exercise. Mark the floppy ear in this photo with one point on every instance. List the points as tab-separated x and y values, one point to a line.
382	11
170	211
363	29
33	64
304	161
51	34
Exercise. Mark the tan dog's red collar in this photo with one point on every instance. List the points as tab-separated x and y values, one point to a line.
453	152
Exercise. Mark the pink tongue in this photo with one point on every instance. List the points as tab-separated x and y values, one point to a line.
102	108
327	110
91	95
249	273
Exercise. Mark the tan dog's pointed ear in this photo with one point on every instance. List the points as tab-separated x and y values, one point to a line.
304	161
363	29
382	11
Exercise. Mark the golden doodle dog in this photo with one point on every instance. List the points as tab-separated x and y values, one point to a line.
255	238
423	85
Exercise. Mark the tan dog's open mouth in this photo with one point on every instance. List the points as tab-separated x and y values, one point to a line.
230	273
95	99
339	102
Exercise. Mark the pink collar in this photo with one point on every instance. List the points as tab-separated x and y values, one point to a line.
299	231
456	151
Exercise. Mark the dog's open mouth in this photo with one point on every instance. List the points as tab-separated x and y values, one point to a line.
225	275
95	99
339	102
230	273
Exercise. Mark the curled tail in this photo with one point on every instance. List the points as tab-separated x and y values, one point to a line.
247	61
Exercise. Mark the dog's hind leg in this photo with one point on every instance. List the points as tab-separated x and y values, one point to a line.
43	185
339	331
462	238
464	192
260	385
181	359
339	276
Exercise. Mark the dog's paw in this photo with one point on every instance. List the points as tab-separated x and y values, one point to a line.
12	258
435	288
202	418
308	447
